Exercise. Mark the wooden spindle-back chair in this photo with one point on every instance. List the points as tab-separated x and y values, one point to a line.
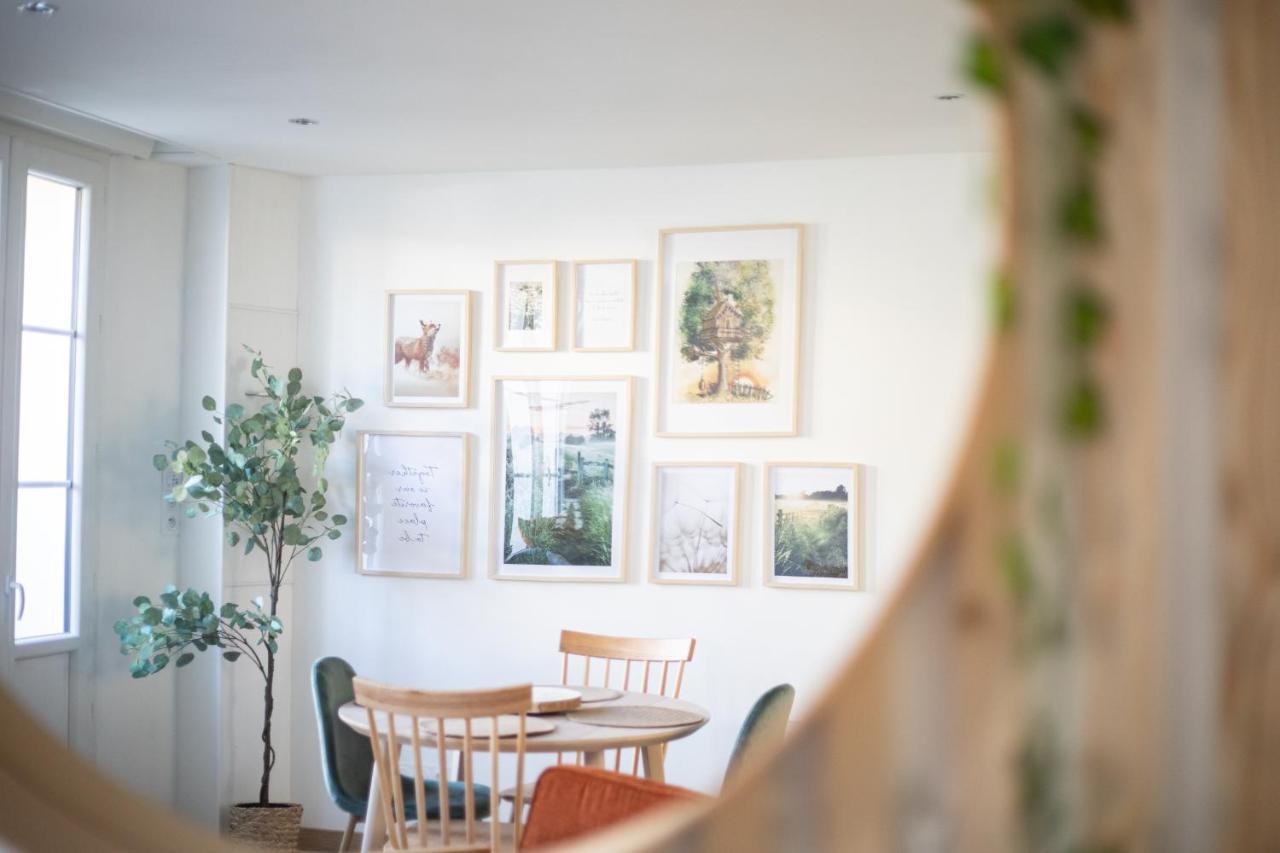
429	714
620	654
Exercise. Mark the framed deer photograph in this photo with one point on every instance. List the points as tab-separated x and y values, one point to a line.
727	331
428	352
562	449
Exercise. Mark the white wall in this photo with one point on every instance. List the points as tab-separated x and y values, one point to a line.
138	345
893	326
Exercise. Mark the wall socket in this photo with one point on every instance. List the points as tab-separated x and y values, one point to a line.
171	521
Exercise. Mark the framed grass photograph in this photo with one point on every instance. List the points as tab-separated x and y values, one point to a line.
813	525
561	457
727	331
695	530
428	354
525	306
604	306
411	496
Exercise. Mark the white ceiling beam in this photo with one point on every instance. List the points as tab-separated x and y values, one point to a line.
25	109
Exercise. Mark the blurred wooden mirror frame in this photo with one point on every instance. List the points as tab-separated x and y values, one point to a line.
913	744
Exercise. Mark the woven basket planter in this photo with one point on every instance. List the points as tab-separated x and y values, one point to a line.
274	826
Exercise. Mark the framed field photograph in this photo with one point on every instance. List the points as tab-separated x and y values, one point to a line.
428	353
813	525
411	496
604	306
562	450
694	536
525	306
727	330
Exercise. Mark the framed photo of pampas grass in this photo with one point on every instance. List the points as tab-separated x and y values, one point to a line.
695	530
428	349
727	331
812	525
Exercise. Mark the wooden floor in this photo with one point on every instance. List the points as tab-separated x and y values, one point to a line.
326	840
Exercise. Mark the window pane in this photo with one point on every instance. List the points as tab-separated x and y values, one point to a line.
49	262
42	561
43	417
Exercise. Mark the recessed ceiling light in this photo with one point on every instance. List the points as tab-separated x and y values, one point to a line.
37	7
950	96
303	122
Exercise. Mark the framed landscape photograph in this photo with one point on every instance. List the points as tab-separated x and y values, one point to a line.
525	306
727	330
694	537
411	496
813	525
428	354
562	450
604	306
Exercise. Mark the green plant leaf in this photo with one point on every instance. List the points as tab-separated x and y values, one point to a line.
209	403
984	65
184	659
339	520
314	554
160	461
1049	42
231	656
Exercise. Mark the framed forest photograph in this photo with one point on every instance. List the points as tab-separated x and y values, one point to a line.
561	456
411	497
727	328
694	518
428	355
813	525
525	306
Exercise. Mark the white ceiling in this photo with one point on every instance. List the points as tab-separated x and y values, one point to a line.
457	85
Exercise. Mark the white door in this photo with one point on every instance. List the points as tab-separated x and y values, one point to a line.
49	206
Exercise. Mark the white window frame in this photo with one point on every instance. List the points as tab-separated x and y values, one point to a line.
88	175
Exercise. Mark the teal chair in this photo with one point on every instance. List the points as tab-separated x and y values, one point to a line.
347	757
763	729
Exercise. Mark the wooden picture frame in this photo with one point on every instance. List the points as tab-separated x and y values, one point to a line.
855	547
429	353
760	395
627	268
730	519
530	428
413	474
543	338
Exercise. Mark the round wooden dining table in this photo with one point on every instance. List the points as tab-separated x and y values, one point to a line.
568	736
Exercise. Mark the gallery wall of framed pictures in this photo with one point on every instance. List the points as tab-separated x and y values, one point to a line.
726	364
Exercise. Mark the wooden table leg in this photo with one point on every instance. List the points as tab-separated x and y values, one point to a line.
375	833
593	759
652	757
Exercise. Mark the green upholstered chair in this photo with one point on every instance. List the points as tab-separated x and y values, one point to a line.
764	727
347	757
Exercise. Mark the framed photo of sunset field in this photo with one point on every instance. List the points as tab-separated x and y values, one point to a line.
813	536
561	457
727	331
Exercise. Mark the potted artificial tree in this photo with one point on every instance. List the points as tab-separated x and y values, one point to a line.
252	479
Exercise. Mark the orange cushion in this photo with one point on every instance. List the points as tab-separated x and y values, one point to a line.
573	801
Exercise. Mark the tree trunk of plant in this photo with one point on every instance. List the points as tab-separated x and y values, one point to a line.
268	754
